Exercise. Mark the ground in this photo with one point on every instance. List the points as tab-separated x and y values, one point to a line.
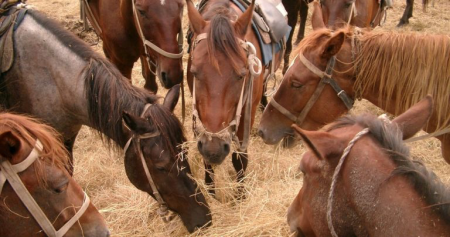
272	179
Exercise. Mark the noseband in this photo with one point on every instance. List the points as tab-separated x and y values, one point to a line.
10	173
154	46
325	78
245	97
163	210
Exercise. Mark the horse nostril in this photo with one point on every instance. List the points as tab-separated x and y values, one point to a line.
226	148
199	145
261	133
164	79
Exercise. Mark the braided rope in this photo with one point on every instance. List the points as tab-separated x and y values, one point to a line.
334	180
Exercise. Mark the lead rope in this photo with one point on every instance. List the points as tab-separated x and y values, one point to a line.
334	180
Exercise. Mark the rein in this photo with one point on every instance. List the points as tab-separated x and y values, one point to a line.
335	176
10	173
245	97
325	78
163	210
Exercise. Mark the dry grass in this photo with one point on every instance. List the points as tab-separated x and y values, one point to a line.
272	179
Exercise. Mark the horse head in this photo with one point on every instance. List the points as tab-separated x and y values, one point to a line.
154	139
32	157
218	71
344	146
311	75
161	29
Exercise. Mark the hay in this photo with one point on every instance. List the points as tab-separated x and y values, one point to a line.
272	179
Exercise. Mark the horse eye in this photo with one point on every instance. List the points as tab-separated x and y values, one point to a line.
141	12
160	169
296	85
61	188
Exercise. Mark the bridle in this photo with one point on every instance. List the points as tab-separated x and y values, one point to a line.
163	210
325	79
335	175
245	98
153	46
10	172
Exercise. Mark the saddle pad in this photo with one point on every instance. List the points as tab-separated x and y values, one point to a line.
9	21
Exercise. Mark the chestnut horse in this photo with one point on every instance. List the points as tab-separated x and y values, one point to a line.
386	68
38	194
226	80
359	180
146	29
74	86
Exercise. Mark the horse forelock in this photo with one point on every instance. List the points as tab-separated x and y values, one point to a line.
405	64
221	36
29	130
390	138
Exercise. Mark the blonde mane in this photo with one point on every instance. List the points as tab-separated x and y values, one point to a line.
405	67
28	130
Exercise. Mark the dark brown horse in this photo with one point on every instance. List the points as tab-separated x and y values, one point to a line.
74	86
224	79
145	29
409	10
33	167
359	180
385	68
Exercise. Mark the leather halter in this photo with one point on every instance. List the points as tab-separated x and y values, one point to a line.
10	173
154	46
325	78
163	210
245	97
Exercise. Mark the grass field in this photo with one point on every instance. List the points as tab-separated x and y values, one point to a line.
272	179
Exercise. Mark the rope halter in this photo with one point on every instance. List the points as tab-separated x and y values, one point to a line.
10	172
163	210
229	132
153	46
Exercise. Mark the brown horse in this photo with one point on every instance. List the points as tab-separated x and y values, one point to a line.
33	167
74	86
145	29
224	79
409	10
359	180
385	68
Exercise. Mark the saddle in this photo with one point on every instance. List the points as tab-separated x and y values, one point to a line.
11	16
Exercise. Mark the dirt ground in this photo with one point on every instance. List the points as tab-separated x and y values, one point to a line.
272	179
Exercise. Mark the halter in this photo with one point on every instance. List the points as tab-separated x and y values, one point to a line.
154	46
163	210
334	180
10	173
229	132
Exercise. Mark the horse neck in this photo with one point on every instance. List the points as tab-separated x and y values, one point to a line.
127	16
378	205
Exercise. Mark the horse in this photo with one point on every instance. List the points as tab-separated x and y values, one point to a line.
359	180
75	86
225	78
38	194
335	68
336	13
145	30
409	10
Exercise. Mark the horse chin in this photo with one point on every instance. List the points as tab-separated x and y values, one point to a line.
288	142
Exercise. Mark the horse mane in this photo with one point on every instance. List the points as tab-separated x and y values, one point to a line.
30	129
109	93
400	64
390	138
222	36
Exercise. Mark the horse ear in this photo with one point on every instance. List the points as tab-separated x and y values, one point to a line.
243	22
171	99
317	17
133	122
415	118
333	45
320	143
197	22
9	145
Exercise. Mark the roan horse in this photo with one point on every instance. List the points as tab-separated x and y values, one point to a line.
386	68
38	194
226	80
145	29
74	86
359	180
